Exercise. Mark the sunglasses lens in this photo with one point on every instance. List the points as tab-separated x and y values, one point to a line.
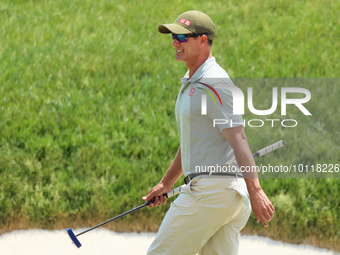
180	38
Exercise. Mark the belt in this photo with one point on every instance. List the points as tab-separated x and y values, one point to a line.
189	177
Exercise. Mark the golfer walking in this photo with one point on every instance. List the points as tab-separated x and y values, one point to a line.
212	209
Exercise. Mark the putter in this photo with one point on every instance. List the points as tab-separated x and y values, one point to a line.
74	238
173	192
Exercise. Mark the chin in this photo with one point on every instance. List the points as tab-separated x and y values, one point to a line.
179	59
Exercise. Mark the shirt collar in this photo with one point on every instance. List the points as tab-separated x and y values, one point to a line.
200	71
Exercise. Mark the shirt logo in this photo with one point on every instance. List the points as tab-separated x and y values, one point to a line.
192	91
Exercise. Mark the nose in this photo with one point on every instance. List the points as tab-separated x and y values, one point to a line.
175	43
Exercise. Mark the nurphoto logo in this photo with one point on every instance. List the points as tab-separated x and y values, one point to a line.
238	104
204	97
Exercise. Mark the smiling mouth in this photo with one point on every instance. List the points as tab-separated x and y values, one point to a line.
179	51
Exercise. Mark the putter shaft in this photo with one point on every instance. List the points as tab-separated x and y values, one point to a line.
119	216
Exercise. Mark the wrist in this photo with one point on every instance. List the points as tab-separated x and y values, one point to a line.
253	185
166	185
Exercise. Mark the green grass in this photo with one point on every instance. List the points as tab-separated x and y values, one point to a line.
87	94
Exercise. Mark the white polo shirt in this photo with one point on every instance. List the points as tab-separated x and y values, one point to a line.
203	147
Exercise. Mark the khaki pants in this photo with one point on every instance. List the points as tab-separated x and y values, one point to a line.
206	218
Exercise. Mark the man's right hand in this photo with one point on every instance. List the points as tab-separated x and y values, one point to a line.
157	194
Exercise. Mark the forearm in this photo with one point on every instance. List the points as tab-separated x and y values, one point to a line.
245	160
174	172
238	141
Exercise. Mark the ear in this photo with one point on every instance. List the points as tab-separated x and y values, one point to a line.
203	40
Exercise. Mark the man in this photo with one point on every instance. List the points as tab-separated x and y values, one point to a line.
208	215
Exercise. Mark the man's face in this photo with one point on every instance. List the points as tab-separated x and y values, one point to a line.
186	51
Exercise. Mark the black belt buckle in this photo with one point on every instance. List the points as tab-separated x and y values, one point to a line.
187	179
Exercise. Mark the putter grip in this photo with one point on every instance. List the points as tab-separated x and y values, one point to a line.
175	191
169	194
269	148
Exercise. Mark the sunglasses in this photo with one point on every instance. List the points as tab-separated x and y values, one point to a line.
184	38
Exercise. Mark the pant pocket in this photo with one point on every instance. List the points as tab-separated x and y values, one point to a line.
245	196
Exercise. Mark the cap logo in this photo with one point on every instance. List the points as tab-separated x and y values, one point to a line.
186	22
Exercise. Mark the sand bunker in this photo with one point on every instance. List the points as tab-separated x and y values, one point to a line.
105	242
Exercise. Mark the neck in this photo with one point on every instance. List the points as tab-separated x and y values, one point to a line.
197	62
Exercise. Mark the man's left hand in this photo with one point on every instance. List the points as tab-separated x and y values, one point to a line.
262	207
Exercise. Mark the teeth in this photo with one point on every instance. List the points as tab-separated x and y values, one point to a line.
178	51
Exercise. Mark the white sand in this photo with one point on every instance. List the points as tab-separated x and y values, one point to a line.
103	242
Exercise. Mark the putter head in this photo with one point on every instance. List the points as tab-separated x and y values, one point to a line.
73	237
